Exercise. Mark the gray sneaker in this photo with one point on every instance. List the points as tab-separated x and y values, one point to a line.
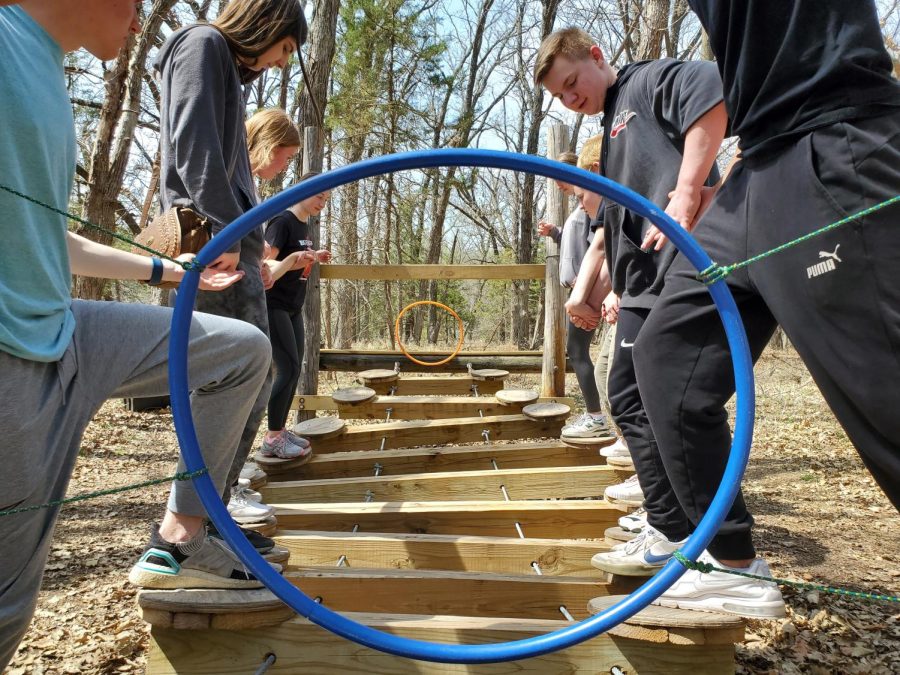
202	562
286	446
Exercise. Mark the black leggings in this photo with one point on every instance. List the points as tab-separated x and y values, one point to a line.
578	349
286	330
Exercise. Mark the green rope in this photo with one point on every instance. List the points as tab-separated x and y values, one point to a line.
189	265
716	272
181	475
706	568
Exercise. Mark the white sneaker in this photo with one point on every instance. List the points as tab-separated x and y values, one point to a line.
243	509
643	556
586	426
247	491
635	521
628	493
720	592
251	472
617	449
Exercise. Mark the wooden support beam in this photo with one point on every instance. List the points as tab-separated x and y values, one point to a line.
564	482
357	360
433	432
404	272
436	459
566	519
500	555
430	592
436	385
302	647
416	407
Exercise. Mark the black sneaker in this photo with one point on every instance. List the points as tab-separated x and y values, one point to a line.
262	544
202	562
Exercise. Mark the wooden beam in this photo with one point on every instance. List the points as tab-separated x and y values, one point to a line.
416	407
355	360
432	592
566	519
303	647
500	555
434	432
441	458
448	385
564	482
553	367
404	272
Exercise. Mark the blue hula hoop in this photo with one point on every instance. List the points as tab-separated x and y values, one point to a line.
418	649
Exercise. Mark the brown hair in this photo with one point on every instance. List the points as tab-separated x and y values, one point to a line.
252	26
573	43
567	157
590	152
267	130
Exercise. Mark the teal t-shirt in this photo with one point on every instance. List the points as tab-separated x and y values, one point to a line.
37	158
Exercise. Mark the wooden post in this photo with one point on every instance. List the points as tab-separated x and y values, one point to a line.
553	371
313	140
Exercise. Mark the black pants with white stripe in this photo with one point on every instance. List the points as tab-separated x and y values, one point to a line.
837	296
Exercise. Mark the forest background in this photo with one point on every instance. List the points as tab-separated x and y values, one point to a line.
389	76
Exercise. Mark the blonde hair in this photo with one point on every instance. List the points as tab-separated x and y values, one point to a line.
573	43
268	130
252	26
567	157
590	152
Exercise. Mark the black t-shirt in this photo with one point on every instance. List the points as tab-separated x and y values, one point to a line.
791	66
647	113
284	232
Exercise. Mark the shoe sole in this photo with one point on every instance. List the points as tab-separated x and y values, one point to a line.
625	569
299	460
251	520
600	437
766	610
187	578
624	502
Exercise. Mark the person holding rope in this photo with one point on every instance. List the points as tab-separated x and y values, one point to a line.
205	162
61	359
809	91
663	124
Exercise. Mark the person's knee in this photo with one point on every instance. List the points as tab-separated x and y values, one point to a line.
252	346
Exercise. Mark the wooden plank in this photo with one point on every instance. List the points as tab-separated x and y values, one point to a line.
408	407
500	555
433	459
434	432
456	593
564	482
553	366
404	272
303	647
354	360
566	519
437	385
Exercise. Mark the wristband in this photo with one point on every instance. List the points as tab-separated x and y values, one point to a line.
157	274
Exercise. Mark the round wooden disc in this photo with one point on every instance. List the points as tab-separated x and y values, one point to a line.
259	481
320	427
353	395
202	609
280	555
483	374
623	463
265	527
595	442
378	375
669	617
544	411
618	535
514	396
276	465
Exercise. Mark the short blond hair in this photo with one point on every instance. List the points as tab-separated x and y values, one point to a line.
567	157
573	43
590	152
268	130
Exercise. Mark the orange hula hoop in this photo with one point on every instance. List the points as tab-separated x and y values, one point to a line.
459	322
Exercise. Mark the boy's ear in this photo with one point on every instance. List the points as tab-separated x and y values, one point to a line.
597	54
595	167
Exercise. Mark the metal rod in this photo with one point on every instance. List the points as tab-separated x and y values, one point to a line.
537	568
519	530
387	415
378	468
565	613
486	435
505	493
268	663
474	388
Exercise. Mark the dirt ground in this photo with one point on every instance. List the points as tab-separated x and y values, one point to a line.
820	518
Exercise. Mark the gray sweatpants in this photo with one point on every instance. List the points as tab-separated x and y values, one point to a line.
117	350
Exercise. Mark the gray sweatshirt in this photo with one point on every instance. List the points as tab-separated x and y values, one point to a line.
205	163
573	244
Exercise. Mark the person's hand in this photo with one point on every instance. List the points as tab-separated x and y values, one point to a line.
684	205
302	259
227	262
266	273
211	279
267	251
323	255
545	229
582	315
610	308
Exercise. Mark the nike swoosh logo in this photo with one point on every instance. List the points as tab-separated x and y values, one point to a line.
626	345
651	559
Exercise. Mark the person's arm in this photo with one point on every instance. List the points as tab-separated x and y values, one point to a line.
701	144
89	259
279	268
546	229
